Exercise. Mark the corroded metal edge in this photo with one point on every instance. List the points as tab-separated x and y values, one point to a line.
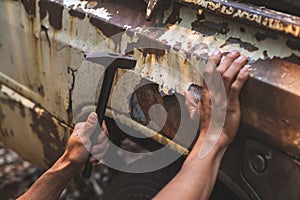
270	19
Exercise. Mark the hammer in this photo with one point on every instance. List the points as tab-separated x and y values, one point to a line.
113	62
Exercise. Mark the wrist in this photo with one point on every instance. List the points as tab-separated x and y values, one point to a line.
216	153
65	167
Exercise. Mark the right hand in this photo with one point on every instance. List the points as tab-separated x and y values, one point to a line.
79	145
233	76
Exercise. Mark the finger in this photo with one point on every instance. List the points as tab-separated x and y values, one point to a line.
210	66
238	84
191	104
89	127
227	61
101	142
101	137
93	160
233	70
78	127
101	154
104	128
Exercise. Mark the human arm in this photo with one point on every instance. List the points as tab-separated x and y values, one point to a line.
197	176
53	181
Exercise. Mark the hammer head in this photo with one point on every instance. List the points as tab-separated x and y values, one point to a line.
112	61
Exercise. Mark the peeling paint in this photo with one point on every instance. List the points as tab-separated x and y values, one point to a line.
253	14
83	5
54	42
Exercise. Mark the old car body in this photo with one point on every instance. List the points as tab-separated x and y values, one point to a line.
43	43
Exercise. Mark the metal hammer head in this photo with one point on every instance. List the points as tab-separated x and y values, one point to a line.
112	61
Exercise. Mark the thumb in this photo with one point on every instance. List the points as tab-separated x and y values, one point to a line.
191	104
89	127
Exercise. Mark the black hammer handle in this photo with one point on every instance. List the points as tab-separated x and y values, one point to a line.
100	110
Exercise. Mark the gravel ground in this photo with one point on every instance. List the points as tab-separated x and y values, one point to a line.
16	176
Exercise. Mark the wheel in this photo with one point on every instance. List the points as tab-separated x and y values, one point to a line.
144	186
140	186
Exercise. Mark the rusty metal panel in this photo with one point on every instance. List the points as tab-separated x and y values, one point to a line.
43	46
30	130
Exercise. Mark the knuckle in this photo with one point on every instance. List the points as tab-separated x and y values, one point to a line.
234	88
213	59
226	77
207	72
78	126
221	71
240	77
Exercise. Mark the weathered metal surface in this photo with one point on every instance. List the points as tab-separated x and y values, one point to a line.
269	19
263	174
286	6
237	160
270	103
42	51
32	130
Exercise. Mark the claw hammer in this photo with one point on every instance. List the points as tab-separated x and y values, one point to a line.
112	63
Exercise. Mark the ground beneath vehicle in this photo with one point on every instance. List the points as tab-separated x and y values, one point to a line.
42	48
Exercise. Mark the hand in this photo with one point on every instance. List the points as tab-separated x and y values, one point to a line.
79	144
233	76
225	81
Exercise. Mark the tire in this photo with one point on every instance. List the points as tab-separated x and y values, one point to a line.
144	186
140	186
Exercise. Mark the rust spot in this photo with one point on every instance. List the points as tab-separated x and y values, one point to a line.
265	54
29	6
8	102
41	90
2	130
108	29
43	125
262	36
154	6
11	133
71	72
148	44
177	46
293	59
148	95
293	44
22	109
54	10
280	22
2	115
210	28
242	44
174	17
77	13
45	29
196	46
156	52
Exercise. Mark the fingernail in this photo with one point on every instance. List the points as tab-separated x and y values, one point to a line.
217	53
93	117
235	52
241	58
245	70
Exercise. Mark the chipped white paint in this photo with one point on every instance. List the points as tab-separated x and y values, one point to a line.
174	70
274	24
84	6
17	97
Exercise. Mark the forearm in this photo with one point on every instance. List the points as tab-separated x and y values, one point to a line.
197	176
51	183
